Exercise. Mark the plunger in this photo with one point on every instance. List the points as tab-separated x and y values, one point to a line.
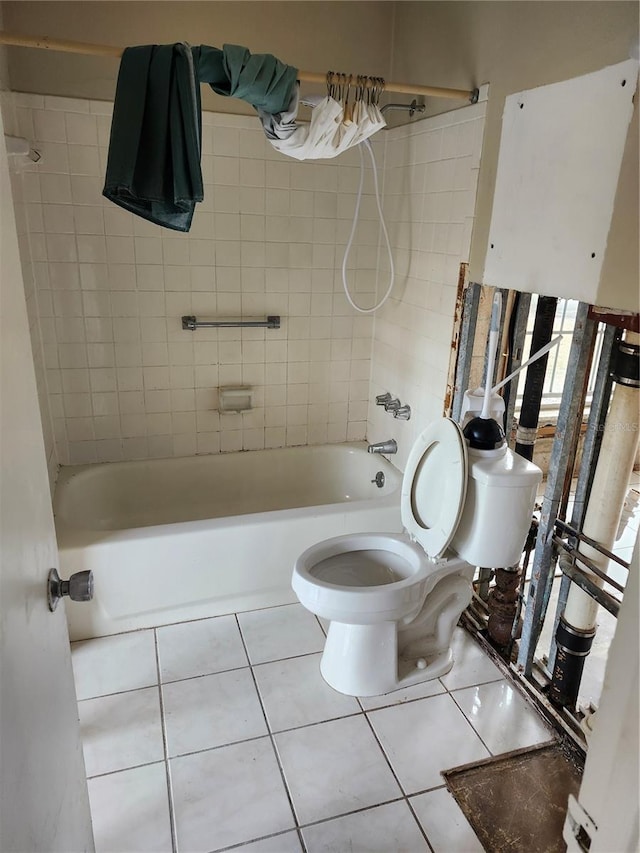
483	432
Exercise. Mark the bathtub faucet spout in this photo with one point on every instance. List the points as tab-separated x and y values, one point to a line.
389	446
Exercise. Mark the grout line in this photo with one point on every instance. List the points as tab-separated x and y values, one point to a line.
204	674
165	746
352	812
385	756
273	743
468	721
242	844
218	746
317	723
452	690
119	692
125	769
420	826
399	704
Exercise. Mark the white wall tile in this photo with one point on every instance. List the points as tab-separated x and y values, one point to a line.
411	339
268	239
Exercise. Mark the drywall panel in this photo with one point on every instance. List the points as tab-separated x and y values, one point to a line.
560	154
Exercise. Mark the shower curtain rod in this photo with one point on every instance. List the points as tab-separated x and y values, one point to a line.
65	46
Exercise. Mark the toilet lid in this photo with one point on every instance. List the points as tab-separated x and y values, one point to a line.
434	486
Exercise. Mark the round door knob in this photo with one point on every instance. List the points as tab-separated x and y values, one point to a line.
79	587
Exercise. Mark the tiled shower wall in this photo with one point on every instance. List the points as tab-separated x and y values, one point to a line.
124	380
431	174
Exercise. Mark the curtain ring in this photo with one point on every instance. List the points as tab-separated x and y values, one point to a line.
331	84
349	82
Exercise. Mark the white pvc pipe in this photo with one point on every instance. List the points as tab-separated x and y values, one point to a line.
608	492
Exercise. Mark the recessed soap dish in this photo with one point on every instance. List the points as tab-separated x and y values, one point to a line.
235	398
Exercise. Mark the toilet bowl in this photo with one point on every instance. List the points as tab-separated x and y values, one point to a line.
393	600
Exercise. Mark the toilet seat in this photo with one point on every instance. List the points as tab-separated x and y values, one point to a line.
434	486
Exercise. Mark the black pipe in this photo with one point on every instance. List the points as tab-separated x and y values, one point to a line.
534	383
573	647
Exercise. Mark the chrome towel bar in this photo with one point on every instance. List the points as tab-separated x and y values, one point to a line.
191	323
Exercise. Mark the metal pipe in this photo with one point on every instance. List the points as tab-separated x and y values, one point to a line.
413	107
585	582
389	446
534	382
608	491
561	460
590	450
191	323
601	520
582	537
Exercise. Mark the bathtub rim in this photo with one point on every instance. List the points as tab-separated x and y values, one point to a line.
70	537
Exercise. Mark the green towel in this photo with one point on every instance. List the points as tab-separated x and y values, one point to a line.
261	80
153	167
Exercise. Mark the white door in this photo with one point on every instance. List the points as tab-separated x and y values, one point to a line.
44	804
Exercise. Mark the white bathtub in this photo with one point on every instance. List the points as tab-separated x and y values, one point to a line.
170	540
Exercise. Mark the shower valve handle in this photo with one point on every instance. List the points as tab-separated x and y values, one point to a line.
403	413
383	399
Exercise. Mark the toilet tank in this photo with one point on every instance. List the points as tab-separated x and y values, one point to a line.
501	494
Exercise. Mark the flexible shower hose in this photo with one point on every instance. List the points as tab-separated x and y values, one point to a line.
356	214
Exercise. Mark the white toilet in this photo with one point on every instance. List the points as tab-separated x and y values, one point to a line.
393	600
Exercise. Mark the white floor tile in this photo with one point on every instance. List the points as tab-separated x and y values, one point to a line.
121	731
386	828
295	694
227	796
471	664
423	738
200	648
130	811
288	842
501	717
445	825
418	691
212	710
113	664
280	632
333	768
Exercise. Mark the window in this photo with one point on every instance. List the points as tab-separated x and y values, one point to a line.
558	358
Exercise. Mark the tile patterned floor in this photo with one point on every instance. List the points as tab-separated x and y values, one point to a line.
221	734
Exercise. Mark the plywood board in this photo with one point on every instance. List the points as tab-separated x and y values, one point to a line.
560	154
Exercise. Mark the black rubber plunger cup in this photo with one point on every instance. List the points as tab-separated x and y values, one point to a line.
484	434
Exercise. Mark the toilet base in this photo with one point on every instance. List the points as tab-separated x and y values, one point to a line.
378	658
362	660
